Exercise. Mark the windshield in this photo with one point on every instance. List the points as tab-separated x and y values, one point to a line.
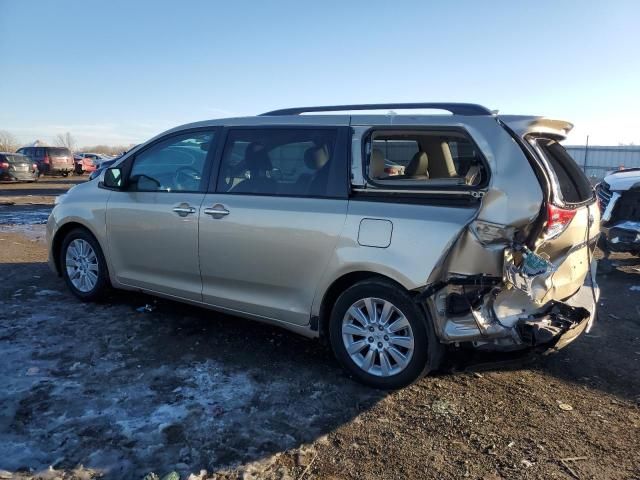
17	159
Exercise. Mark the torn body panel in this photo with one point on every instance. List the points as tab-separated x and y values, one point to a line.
496	315
507	285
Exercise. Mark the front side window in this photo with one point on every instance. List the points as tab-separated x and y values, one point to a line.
294	162
421	159
174	165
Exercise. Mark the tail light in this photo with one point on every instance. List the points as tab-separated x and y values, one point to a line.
558	219
4	164
46	160
35	166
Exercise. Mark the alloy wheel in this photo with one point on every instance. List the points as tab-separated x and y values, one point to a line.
377	337
81	263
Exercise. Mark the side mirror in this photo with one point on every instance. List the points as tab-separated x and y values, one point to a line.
113	178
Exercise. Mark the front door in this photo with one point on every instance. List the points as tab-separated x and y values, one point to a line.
268	232
152	226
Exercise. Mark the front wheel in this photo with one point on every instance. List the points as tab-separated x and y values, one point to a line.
381	336
84	268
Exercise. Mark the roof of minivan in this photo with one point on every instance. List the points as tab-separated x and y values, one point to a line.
461	114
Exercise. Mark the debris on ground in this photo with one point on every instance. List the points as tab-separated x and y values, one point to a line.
526	463
148	308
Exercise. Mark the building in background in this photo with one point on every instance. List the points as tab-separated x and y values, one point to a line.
597	161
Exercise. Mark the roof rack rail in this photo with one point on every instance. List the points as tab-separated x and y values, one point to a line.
454	108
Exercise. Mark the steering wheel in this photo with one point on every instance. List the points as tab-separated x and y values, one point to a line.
189	176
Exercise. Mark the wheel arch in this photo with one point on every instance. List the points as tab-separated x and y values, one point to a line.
58	238
338	286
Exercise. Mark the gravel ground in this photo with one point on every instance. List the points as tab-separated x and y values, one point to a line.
104	390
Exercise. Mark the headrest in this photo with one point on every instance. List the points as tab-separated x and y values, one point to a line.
315	158
256	158
418	165
376	164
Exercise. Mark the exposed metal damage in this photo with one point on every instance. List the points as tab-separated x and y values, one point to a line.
537	282
512	311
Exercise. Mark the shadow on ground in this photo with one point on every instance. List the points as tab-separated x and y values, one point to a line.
123	391
136	384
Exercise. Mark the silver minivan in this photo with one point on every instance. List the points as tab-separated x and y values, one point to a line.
481	236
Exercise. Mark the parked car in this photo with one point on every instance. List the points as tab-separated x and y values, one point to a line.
17	167
107	163
485	241
103	166
619	195
87	162
50	160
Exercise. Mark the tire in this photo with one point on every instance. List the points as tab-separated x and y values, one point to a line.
415	362
73	246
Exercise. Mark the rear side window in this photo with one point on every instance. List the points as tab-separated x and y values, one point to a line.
423	159
283	162
572	183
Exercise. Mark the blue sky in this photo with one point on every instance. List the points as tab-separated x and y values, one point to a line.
112	71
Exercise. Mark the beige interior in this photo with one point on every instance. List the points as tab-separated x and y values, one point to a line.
433	163
376	167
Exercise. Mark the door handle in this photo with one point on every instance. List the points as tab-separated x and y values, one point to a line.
217	211
184	209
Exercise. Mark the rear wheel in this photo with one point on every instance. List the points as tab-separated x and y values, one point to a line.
381	336
84	268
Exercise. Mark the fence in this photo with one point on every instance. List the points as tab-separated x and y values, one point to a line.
596	161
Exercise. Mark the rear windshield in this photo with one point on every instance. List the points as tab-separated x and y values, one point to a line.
573	184
16	158
59	152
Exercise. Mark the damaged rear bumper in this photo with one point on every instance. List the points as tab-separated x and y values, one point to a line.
564	322
509	320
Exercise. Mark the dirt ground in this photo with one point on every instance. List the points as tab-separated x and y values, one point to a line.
92	390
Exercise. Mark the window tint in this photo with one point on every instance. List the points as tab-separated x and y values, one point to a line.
59	152
573	183
175	164
297	162
421	159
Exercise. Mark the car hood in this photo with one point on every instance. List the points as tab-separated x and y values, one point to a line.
623	180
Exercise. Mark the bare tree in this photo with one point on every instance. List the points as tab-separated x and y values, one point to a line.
8	143
65	140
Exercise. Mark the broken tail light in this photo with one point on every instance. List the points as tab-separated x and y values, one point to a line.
558	219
